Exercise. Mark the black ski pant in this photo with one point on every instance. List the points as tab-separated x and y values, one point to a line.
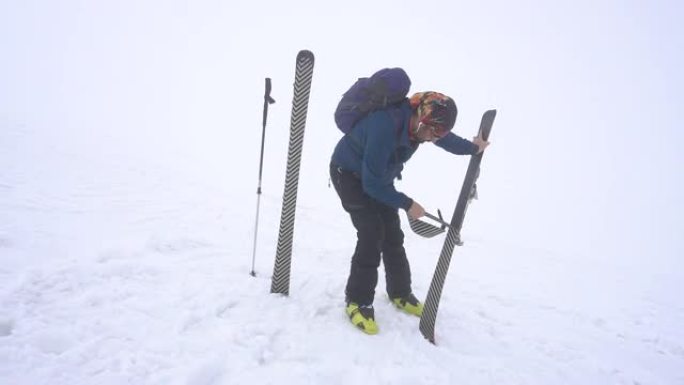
379	236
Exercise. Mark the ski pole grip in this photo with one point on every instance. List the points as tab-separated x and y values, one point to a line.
267	93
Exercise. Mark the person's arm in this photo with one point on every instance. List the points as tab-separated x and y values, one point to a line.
457	145
381	137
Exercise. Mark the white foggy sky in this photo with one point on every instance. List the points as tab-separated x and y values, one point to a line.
585	154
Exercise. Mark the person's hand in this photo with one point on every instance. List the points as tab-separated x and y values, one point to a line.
480	143
416	210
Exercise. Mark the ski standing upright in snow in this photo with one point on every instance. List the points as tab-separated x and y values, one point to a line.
468	191
280	282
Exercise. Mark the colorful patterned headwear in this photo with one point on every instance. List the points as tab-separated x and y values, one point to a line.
435	109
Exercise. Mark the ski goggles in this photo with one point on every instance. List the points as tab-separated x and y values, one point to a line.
437	131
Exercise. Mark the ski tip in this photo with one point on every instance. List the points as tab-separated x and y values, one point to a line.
305	54
486	124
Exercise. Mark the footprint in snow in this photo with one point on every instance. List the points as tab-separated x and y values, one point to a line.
208	373
5	243
178	245
223	310
53	342
6	327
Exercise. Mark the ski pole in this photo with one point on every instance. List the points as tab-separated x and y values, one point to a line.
267	100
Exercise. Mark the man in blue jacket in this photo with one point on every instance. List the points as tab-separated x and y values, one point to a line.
363	168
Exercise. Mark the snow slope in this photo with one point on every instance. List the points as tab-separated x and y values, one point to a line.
135	273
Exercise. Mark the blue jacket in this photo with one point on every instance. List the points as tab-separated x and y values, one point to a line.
377	148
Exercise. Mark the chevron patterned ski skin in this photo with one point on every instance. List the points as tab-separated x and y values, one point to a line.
424	229
427	320
280	282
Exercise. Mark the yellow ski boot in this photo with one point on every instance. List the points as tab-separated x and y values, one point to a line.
409	304
362	317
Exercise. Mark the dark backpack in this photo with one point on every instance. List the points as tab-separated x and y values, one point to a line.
386	87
